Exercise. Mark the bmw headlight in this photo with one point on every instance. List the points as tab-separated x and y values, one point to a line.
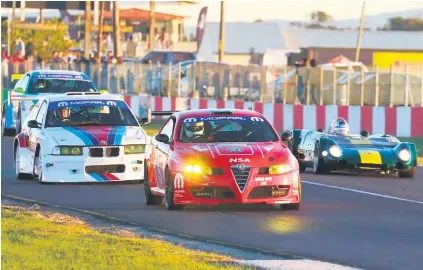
134	149
404	155
67	150
198	169
335	151
279	169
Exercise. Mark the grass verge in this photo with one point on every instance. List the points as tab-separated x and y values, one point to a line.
36	240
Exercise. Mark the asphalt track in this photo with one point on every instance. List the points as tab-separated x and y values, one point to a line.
380	229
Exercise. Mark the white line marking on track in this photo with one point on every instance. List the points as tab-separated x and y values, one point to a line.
364	192
294	264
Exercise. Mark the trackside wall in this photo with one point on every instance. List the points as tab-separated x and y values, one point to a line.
397	121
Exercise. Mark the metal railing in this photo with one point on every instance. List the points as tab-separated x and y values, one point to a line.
358	85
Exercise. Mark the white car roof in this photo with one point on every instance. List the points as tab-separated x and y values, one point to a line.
83	96
57	71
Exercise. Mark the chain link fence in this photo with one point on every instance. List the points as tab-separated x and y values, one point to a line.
349	85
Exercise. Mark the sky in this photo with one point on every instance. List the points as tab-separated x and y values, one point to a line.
247	10
295	10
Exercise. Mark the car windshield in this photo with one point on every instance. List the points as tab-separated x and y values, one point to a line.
60	83
89	113
226	129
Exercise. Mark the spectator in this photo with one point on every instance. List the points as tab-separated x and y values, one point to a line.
20	50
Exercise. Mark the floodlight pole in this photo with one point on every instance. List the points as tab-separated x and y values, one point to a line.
87	29
151	42
360	33
222	31
100	28
116	28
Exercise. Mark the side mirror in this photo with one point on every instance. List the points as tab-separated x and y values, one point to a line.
364	133
183	74
320	130
33	124
162	138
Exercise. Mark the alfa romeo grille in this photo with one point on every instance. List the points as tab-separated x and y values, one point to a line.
241	174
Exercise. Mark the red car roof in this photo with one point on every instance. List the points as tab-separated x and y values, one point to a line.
209	112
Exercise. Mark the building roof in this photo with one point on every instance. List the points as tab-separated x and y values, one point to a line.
140	15
241	37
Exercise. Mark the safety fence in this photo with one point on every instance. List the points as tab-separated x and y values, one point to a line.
324	85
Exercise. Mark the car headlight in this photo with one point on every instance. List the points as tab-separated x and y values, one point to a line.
404	155
279	169
134	149
198	169
335	151
67	150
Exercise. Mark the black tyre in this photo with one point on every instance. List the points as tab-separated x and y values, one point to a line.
18	121
291	206
319	166
8	132
170	194
407	174
150	198
302	166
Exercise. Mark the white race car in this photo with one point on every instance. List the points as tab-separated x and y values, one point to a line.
80	137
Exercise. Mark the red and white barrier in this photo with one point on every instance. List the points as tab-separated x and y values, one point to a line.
397	121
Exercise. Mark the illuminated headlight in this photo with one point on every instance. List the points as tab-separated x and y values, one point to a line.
279	169
67	150
404	155
197	169
134	149
335	151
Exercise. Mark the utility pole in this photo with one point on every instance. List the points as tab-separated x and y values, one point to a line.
22	11
96	8
100	28
9	32
222	31
360	33
152	34
87	29
116	28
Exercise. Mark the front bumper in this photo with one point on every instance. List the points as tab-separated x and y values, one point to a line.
259	189
88	169
360	160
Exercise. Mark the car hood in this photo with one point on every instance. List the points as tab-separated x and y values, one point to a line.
97	135
357	141
223	154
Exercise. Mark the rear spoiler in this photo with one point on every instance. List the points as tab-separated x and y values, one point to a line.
19	98
147	120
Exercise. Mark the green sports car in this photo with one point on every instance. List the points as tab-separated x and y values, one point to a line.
338	150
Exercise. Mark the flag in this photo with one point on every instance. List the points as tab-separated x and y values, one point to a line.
200	26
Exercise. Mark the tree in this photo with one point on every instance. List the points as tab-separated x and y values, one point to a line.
45	42
403	24
320	17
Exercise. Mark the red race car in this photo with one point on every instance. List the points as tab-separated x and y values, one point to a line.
219	156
